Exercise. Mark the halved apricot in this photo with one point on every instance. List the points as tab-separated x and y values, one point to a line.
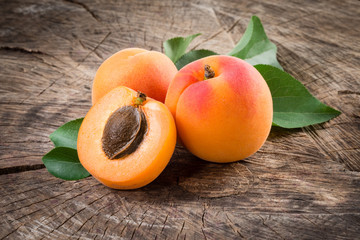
126	139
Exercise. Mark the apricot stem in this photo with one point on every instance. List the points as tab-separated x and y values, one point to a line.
139	99
209	73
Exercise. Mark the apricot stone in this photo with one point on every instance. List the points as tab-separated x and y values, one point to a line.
147	71
126	139
222	108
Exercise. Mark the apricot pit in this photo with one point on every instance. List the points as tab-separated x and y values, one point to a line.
123	132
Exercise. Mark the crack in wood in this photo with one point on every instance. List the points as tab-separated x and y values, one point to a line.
233	25
182	227
346	92
273	230
50	85
22	50
296	18
94	50
106	223
85	7
162	229
207	39
126	216
141	221
218	32
309	220
152	224
203	215
21	168
203	232
233	227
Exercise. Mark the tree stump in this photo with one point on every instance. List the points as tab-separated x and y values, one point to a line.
302	184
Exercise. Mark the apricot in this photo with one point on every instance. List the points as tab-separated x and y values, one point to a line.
147	71
222	108
126	139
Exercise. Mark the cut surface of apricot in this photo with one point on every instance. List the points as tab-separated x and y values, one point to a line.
126	140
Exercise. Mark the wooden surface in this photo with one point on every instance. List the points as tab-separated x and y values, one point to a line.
302	184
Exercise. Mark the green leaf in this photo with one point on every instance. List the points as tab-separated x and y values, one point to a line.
192	56
175	47
254	47
66	135
63	162
294	106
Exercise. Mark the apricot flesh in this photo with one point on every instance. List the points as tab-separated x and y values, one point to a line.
147	71
139	167
226	117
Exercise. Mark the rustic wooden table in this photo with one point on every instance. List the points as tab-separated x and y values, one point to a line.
302	184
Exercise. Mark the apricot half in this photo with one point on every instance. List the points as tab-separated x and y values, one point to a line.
126	139
222	108
147	71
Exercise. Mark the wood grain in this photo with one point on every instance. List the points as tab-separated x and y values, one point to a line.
302	184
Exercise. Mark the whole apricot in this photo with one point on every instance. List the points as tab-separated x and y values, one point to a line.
222	108
126	139
147	71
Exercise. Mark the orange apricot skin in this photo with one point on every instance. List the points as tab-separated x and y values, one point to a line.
149	159
223	119
147	71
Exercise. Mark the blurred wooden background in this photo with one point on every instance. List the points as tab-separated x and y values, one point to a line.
302	184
